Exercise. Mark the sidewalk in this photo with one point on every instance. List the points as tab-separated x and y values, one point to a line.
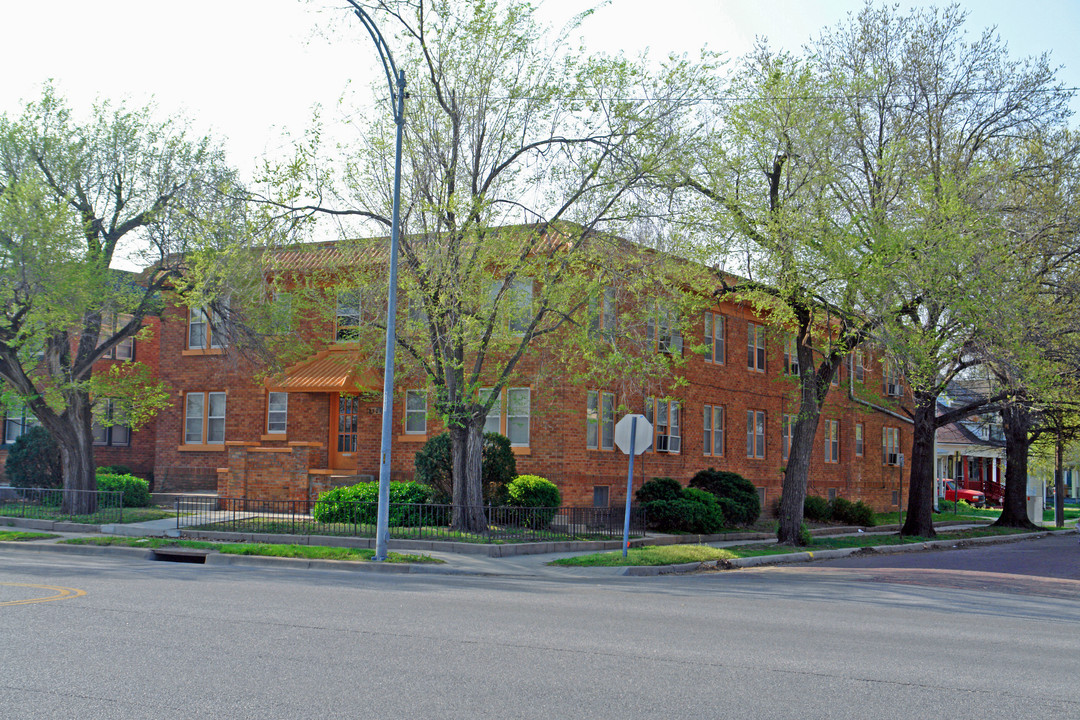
532	565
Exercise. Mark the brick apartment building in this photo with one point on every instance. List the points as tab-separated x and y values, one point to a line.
318	424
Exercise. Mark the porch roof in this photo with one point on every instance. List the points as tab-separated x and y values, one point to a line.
338	369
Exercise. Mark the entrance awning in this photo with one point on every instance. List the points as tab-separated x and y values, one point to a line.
335	370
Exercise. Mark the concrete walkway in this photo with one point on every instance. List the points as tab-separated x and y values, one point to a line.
526	565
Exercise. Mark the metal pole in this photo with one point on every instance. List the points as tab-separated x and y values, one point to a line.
629	488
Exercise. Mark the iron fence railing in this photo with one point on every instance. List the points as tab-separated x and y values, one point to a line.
93	507
406	521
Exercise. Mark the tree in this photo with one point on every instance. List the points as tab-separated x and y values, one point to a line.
74	197
523	160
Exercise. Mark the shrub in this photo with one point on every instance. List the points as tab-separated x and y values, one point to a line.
136	490
498	466
531	491
737	496
34	461
669	506
360	504
659	488
852	513
805	538
816	509
114	470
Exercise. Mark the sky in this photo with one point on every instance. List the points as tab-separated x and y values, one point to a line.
249	70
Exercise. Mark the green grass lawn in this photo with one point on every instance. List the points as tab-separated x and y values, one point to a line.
308	552
676	554
18	536
105	516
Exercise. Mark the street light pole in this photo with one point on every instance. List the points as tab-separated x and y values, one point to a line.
396	81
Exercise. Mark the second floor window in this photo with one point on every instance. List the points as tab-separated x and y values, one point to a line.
347	317
892	379
714	338
714	430
859	439
791	355
787	432
832	441
277	413
205	327
601	316
664	416
600	420
890	446
123	350
109	426
415	412
755	347
755	434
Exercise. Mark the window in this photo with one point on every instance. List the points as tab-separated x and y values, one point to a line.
859	439
858	366
277	413
204	418
17	421
123	350
835	380
205	326
755	347
663	330
714	430
110	424
415	412
832	494
601	495
600	421
514	423
791	355
787	432
347	317
892	379
714	338
519	299
832	441
602	314
755	434
666	425
890	445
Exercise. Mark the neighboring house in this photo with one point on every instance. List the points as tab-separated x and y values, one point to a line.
318	423
971	451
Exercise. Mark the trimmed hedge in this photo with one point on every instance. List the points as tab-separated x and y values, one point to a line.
669	506
532	491
737	496
136	490
816	509
33	461
852	513
356	504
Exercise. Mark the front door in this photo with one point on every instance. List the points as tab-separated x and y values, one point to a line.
344	422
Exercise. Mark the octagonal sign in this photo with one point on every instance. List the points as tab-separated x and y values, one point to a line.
643	439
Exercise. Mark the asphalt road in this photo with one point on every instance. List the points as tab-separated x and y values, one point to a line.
836	640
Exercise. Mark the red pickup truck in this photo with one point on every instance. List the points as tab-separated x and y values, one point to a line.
971	497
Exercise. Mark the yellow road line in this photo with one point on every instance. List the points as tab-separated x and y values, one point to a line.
62	593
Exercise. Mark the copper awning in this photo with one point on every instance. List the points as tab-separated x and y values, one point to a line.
335	370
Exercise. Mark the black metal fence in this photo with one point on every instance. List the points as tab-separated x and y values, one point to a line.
93	507
406	521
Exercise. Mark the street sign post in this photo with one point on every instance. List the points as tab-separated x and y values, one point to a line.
632	436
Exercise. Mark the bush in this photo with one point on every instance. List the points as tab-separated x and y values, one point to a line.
34	461
670	507
659	488
360	504
531	491
114	470
737	496
816	509
498	466
852	513
136	490
805	538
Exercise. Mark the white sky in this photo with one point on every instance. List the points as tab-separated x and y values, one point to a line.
249	69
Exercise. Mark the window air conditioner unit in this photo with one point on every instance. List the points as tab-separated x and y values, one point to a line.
668	443
892	459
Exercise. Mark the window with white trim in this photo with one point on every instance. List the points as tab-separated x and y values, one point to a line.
204	418
17	421
415	412
510	414
755	347
109	426
713	421
665	418
123	350
890	446
663	330
493	421
277	413
205	326
715	333
892	379
600	420
787	432
832	441
755	434
859	430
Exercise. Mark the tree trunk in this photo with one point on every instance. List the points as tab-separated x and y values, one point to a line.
73	435
466	452
1059	480
920	517
1016	423
797	473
